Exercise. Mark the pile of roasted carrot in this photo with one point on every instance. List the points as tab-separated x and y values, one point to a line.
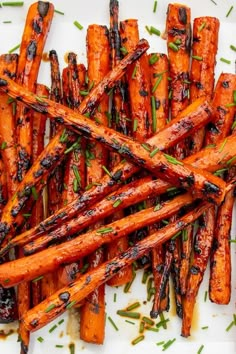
141	151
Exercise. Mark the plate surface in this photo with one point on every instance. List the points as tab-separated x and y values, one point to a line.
64	37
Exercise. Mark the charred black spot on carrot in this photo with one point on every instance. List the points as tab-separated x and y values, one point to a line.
182	15
117	175
210	188
31	50
39	107
64	296
4	230
3	82
43	8
194	270
34	322
37	25
38	173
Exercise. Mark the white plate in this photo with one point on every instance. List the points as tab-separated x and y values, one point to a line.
64	37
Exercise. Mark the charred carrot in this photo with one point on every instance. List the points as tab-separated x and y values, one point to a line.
92	313
59	142
204	50
201	183
120	121
38	317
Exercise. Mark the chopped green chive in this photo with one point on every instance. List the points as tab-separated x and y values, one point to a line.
205	327
219	172
72	348
176	235
133	306
163	322
52	328
200	349
155	31
232	241
148	320
106	170
173	46
184	235
13	3
37	279
141	327
117	203
84	268
146	147
160	343
124	50
172	160
234	96
153	59
130	322
113	323
123	313
154	115
228	105
128	285
225	60
148	29
50	308
105	230
34	193
6	281
214	2
222	145
196	57
137	340
152	329
40	339
59	12
229	12
14	49
231	160
134	72
135	125
210	146
203	25
145	276
168	344
233	47
76	173
155	6
64	137
205	296
154	152
59	346
157	83
71	304
84	93
6	21
61	321
3	145
78	25
157	207
114	297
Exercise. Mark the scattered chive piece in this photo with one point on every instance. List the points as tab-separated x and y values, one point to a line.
72	348
141	327
40	339
229	326
14	49
117	203
209	146
229	12
61	321
155	31
124	50
205	296
128	285
157	207
13	3
233	47
6	280
200	349
146	274
59	346
37	279
197	57
232	241
231	160
152	329
233	104
205	327
71	304
84	93
219	172
156	83
203	25
59	12
52	328
4	145
234	316
114	297
172	160
163	322
133	306
148	320
222	145
146	147
176	235
50	308
173	46
234	96
225	60
153	59
105	230
78	25
34	193
154	152
130	322
129	314
160	343
184	235
154	115
134	72
135	125
155	6
168	344
106	170
214	2
113	323
6	21
148	29
137	340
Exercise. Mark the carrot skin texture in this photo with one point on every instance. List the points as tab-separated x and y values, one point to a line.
38	317
201	183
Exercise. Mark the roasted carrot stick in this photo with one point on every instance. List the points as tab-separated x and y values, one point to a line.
60	140
38	317
223	93
201	183
119	114
8	65
204	50
92	313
